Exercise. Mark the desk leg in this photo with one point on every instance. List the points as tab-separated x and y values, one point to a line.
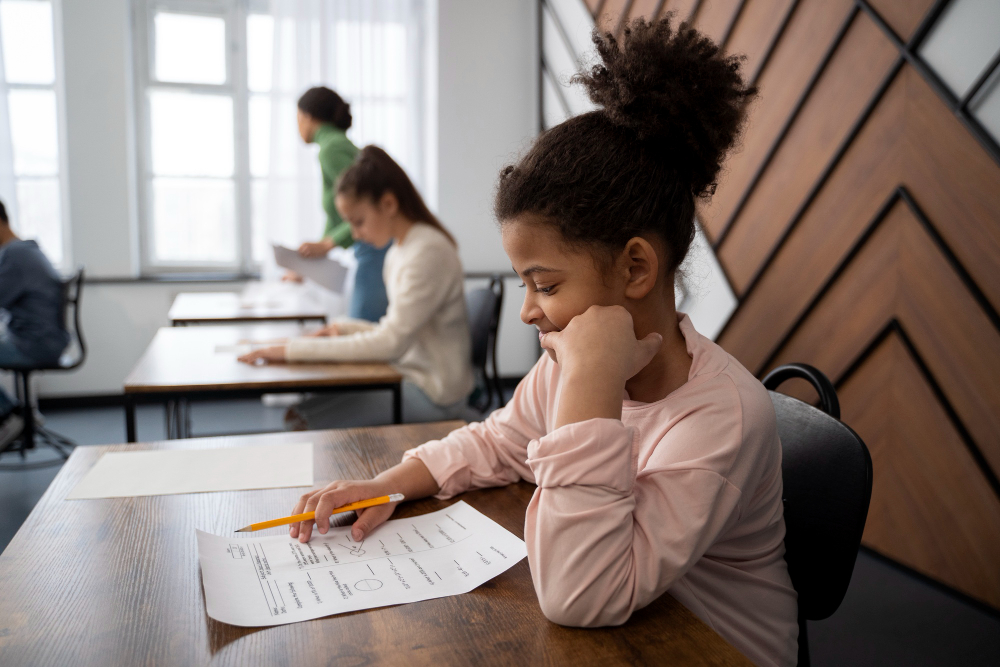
129	419
397	403
184	424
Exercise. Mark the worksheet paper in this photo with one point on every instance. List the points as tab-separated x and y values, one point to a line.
168	471
277	580
321	270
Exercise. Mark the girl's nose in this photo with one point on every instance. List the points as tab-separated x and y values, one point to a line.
530	312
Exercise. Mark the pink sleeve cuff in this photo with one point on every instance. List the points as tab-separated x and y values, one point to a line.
446	465
596	452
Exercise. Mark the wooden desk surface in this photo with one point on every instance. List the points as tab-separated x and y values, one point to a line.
185	359
221	307
116	582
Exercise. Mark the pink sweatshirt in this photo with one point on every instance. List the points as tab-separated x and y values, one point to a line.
681	495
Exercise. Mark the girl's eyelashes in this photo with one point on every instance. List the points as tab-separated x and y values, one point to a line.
543	290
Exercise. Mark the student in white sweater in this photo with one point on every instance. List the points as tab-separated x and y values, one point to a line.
425	331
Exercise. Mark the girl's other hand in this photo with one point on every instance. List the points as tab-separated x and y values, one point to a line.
270	355
328	330
602	341
597	353
291	277
337	494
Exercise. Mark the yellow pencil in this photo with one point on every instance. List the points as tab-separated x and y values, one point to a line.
361	504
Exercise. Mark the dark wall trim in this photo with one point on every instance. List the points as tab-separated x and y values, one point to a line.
177	278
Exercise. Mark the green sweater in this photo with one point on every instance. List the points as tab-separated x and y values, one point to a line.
336	153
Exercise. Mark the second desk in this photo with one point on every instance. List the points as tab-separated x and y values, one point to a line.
184	364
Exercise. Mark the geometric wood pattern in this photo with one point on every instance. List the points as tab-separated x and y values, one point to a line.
858	224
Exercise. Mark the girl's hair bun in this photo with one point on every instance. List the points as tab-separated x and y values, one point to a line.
675	90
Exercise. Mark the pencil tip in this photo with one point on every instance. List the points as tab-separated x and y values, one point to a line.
243	530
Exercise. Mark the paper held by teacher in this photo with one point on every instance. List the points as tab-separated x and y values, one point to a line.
323	271
277	580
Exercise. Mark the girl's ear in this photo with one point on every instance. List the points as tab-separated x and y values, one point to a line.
388	204
643	267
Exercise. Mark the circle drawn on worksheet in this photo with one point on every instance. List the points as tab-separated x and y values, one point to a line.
368	585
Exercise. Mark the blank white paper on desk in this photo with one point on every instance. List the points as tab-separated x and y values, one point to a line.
277	580
168	471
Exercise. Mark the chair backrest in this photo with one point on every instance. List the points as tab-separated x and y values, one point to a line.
483	306
827	476
76	352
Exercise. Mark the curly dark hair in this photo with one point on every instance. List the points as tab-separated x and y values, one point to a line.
326	106
671	106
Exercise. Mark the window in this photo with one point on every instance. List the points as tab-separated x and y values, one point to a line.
963	49
31	151
222	171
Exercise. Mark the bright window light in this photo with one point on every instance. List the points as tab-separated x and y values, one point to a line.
192	134
260	52
26	31
190	48
195	220
34	132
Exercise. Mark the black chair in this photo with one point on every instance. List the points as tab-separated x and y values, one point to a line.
75	354
827	476
483	307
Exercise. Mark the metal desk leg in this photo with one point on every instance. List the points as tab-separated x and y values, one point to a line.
184	421
129	419
397	403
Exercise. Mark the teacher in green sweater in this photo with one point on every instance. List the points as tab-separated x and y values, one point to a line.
324	118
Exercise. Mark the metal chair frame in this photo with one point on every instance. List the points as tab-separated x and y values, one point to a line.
493	386
33	432
820	566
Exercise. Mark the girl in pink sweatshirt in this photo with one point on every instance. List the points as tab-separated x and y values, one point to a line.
655	453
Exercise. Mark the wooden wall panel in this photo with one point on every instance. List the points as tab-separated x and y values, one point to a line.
859	225
645	8
795	59
902	274
930	508
752	34
682	9
851	197
848	83
714	17
903	16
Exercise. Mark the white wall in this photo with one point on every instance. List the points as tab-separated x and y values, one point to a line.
486	113
99	121
485	103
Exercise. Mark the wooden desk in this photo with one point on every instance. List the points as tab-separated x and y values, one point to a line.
230	307
182	365
116	582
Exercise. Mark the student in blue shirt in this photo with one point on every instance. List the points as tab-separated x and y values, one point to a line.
32	331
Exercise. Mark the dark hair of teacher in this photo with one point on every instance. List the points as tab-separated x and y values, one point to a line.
326	106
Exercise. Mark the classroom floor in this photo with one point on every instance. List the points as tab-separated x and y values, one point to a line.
889	616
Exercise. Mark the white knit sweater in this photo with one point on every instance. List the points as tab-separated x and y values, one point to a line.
425	331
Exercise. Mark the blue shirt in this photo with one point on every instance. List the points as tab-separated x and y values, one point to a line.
31	292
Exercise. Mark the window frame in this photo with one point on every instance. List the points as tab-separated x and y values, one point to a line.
58	88
235	87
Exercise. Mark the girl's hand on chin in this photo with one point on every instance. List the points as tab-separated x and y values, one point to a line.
600	346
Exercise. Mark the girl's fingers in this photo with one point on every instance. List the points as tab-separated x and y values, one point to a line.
648	347
299	508
369	519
